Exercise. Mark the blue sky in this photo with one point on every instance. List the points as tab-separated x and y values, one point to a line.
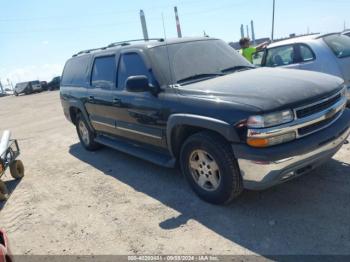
37	37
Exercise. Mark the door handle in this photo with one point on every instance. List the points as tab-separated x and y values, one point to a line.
116	101
91	98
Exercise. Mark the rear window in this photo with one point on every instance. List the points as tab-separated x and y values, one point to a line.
339	44
76	71
35	82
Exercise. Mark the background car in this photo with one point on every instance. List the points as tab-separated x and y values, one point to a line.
27	88
328	53
54	83
43	85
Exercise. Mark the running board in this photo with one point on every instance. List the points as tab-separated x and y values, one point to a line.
137	151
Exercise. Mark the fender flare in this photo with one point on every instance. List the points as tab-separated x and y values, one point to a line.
79	105
223	128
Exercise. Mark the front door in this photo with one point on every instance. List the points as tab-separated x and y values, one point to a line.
139	114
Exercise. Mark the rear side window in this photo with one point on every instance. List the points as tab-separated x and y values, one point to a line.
76	71
104	72
131	65
340	45
280	56
306	53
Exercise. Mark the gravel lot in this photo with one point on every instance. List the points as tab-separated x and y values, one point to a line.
76	202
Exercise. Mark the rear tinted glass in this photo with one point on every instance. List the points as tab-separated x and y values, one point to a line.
340	45
76	71
35	82
104	72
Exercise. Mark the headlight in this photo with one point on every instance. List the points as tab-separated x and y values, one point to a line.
269	120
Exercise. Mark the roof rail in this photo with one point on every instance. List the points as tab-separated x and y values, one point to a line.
127	42
122	43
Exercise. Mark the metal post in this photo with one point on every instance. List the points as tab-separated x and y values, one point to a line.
273	21
242	31
253	32
144	25
178	27
248	31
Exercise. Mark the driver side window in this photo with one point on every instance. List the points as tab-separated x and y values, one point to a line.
130	64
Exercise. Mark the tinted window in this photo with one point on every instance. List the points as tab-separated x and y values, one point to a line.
104	72
258	57
131	65
76	71
340	45
280	56
306	53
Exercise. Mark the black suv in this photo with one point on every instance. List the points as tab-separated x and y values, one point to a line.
197	102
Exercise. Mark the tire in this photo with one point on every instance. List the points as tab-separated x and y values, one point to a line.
86	136
15	93
219	180
17	169
4	195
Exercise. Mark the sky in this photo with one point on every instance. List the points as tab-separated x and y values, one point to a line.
37	37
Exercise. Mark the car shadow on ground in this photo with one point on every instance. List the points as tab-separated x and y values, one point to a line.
308	215
11	186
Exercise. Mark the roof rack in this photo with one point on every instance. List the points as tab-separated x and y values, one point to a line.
122	43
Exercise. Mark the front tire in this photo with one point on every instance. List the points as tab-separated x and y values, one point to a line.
86	136
208	163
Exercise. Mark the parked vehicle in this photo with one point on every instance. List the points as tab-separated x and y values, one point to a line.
54	83
5	252
43	85
27	88
322	53
196	101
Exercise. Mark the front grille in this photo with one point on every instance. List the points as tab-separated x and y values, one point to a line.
313	109
317	126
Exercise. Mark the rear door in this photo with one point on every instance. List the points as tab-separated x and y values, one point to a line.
100	100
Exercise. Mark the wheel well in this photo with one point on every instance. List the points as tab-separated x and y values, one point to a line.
182	132
73	112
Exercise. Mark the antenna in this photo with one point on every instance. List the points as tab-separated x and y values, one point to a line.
167	52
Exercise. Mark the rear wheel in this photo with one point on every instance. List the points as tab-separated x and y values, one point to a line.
3	191
15	93
209	166
86	136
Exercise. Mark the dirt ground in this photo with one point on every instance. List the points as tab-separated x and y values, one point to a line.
76	202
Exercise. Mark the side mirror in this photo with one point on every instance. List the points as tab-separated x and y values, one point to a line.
137	84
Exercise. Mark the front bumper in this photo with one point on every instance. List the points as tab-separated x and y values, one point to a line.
263	168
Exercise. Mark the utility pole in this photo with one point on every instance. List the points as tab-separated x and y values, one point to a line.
253	32
1	89
248	31
242	31
144	25
178	27
273	21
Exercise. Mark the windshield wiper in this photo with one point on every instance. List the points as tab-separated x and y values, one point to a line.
236	68
198	77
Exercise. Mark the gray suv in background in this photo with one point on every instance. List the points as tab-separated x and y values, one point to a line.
27	88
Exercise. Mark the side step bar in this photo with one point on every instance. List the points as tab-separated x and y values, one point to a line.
137	151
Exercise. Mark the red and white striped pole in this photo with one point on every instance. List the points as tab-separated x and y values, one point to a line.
178	27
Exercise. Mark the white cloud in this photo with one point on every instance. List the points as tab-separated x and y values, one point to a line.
33	72
45	42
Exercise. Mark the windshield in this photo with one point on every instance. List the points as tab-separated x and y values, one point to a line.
36	82
21	85
197	60
340	45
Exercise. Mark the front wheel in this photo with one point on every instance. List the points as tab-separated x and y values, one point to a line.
209	166
86	136
17	169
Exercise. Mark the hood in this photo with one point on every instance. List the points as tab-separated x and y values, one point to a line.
266	89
